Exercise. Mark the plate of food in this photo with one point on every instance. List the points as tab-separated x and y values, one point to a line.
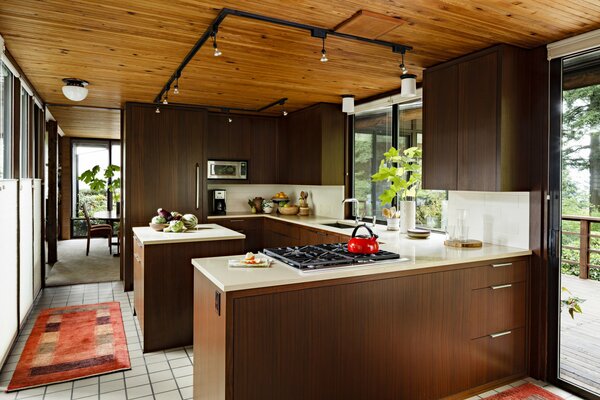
250	261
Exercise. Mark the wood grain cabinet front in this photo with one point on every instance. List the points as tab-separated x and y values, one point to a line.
404	335
475	116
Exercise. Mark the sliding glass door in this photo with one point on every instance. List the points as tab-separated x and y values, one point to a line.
575	251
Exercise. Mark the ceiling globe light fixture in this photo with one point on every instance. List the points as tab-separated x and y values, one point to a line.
75	89
348	103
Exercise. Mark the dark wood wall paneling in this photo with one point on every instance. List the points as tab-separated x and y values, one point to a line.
66	183
52	205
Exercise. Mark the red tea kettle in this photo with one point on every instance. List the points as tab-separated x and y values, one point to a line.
363	244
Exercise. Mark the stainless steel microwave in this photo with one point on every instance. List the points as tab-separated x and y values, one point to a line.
227	169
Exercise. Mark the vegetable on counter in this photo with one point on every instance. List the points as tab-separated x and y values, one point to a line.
159	220
176	226
189	220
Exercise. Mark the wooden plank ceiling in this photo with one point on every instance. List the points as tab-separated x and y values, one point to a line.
127	49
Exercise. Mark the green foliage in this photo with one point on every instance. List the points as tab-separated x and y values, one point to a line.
401	171
571	303
106	182
429	207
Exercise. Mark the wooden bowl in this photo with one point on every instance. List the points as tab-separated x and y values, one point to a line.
292	210
158	227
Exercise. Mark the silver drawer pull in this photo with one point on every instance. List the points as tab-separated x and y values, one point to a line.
501	265
499	334
236	220
501	286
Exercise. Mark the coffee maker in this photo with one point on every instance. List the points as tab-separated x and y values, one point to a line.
217	202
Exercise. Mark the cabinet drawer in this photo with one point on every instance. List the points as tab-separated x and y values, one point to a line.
497	308
240	224
498	273
138	249
497	356
283	228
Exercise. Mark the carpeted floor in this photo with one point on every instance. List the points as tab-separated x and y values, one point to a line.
73	267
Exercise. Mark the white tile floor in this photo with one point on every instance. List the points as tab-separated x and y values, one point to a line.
163	375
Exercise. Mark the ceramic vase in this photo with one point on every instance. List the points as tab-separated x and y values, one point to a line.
407	215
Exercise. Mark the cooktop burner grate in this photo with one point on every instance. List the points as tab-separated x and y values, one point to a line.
322	256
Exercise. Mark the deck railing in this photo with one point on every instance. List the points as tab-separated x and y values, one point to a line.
585	243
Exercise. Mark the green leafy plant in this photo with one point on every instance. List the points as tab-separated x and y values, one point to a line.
105	182
402	171
571	303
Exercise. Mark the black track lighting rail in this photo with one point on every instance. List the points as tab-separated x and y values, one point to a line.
228	109
315	31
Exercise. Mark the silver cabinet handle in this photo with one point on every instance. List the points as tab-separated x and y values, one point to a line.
197	186
499	334
501	286
501	265
236	220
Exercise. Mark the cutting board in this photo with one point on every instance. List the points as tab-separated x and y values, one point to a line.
464	244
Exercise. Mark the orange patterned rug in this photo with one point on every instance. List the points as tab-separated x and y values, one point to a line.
73	342
527	391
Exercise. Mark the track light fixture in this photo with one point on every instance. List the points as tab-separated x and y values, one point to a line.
282	104
157	110
176	87
217	52
166	98
324	53
409	81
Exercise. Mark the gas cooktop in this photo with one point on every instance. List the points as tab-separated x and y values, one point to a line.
321	256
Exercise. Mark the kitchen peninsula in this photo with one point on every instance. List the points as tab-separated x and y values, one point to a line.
163	279
445	321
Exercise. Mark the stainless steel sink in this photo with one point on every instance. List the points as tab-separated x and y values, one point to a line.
339	225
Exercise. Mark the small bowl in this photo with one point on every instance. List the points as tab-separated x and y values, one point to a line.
418	233
158	227
292	210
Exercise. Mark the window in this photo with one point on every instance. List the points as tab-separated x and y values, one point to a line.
375	131
6	110
25	101
85	155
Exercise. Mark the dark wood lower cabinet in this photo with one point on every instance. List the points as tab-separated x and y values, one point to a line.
406	335
163	297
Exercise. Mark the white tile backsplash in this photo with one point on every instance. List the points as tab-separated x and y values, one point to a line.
325	201
494	217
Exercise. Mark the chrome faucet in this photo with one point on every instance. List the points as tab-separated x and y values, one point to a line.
356	213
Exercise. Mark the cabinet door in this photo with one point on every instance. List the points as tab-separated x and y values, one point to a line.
478	123
440	129
300	159
8	266
263	161
229	140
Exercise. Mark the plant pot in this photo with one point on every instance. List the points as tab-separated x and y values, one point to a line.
407	215
267	210
393	224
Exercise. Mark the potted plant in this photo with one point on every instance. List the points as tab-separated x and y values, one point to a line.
106	182
402	172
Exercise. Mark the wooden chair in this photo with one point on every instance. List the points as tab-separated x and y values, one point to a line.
97	230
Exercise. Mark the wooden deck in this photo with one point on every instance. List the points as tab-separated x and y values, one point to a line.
580	338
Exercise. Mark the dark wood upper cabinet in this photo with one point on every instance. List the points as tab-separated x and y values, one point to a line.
311	146
476	119
246	138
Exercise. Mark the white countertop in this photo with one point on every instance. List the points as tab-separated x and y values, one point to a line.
427	253
202	233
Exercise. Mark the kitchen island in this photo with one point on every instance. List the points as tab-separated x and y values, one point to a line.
444	323
163	278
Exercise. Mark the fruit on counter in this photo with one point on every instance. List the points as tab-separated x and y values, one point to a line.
165	214
175	226
281	195
189	220
159	220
